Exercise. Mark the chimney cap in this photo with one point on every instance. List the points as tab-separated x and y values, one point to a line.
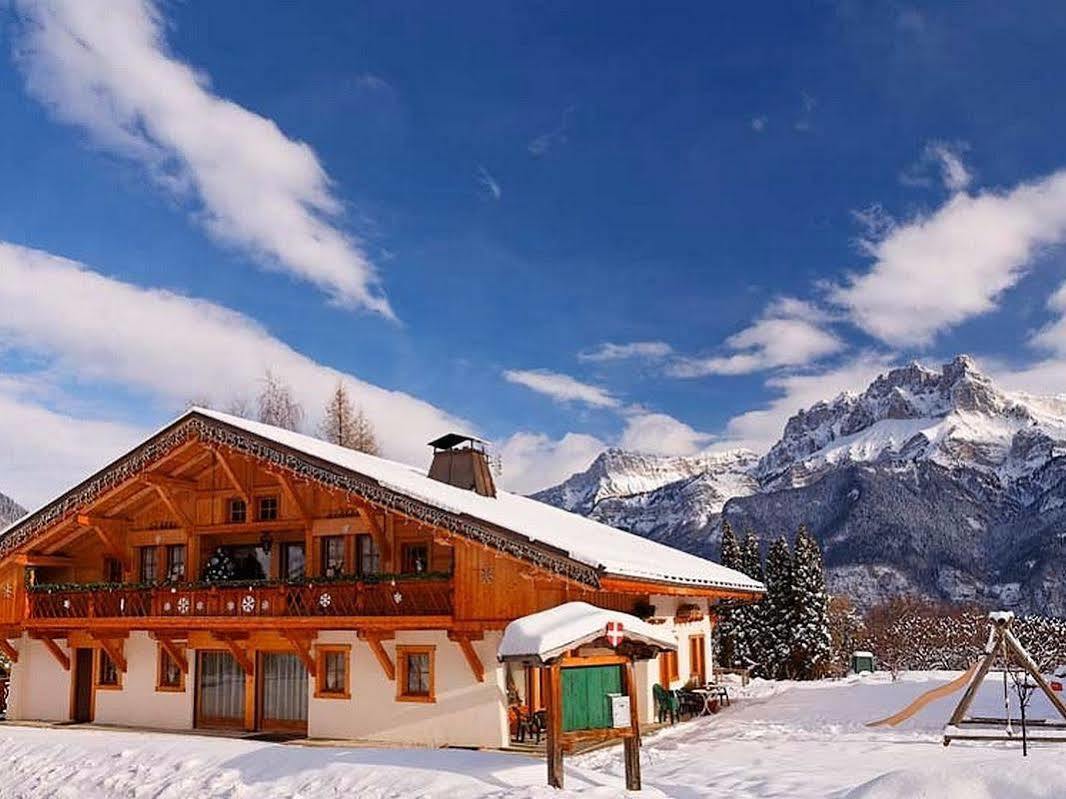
452	440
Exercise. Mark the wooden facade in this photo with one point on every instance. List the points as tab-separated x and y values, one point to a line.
305	546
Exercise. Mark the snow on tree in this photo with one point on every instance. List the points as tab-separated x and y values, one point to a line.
277	406
346	425
725	629
778	610
751	632
811	639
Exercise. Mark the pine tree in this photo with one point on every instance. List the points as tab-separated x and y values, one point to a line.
812	642
277	406
346	425
778	610
751	627
725	629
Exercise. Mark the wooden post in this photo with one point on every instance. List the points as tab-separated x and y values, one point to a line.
554	706
632	743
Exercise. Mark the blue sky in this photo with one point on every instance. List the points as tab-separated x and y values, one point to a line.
758	205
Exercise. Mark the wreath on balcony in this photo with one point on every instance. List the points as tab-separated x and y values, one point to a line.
220	567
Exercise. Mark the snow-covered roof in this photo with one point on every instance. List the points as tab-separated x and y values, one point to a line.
584	540
545	635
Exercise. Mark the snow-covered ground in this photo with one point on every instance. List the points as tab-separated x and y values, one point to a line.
781	740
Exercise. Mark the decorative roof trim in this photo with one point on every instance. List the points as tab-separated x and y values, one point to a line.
300	465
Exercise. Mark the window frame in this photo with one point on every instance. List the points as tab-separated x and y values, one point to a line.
98	664
142	552
321	653
274	515
323	549
407	547
169	563
404	651
692	643
231	505
360	568
161	656
669	669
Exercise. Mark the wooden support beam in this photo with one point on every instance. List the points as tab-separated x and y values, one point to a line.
109	524
172	506
167	481
289	490
632	743
113	647
302	646
9	651
240	654
554	711
116	550
31	559
466	645
374	641
62	657
176	652
231	475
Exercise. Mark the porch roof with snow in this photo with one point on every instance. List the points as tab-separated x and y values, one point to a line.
564	541
544	636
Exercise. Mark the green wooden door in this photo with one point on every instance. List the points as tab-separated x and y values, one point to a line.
586	705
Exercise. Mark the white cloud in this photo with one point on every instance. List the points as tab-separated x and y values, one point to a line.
635	349
789	333
562	388
532	461
172	348
944	268
758	124
104	65
946	159
45	452
1053	336
660	434
760	429
489	183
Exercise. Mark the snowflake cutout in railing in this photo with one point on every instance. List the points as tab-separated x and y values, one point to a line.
200	605
66	604
183	605
166	607
325	600
230	606
248	604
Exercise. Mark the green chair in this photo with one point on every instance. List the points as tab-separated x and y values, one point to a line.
666	704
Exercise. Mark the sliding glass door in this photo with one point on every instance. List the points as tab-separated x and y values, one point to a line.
283	691
219	690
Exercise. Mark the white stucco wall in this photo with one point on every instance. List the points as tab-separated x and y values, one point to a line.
648	675
40	687
466	712
138	703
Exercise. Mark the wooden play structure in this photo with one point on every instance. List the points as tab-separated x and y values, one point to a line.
591	694
1003	652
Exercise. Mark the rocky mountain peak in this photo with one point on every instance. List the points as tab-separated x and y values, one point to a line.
9	511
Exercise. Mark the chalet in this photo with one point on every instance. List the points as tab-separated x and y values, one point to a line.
230	574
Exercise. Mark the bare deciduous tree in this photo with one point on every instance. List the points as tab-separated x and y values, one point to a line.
346	425
277	406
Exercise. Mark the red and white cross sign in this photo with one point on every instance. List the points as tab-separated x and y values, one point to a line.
614	633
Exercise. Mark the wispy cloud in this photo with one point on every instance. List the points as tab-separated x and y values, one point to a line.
648	350
942	268
789	333
105	66
804	122
946	158
661	434
169	348
489	183
561	387
532	461
540	145
758	124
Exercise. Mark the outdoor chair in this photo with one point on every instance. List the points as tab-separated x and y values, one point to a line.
666	704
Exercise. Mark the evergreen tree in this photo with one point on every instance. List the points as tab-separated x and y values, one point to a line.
725	629
346	425
812	642
277	406
778	610
751	627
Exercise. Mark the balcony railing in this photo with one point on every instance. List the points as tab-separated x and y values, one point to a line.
402	596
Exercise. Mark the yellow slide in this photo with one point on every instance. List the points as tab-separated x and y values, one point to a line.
929	696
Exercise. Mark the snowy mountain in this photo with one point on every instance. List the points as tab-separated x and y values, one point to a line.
929	481
9	511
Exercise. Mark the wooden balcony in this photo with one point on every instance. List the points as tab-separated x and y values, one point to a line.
192	605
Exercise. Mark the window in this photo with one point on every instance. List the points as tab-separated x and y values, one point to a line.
668	672
106	671
148	562
176	562
415	558
170	676
112	570
698	657
332	678
268	509
293	561
236	511
333	555
415	683
368	557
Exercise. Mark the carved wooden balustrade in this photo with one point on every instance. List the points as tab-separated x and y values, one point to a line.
399	597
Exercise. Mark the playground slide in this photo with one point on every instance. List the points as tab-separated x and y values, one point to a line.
929	696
